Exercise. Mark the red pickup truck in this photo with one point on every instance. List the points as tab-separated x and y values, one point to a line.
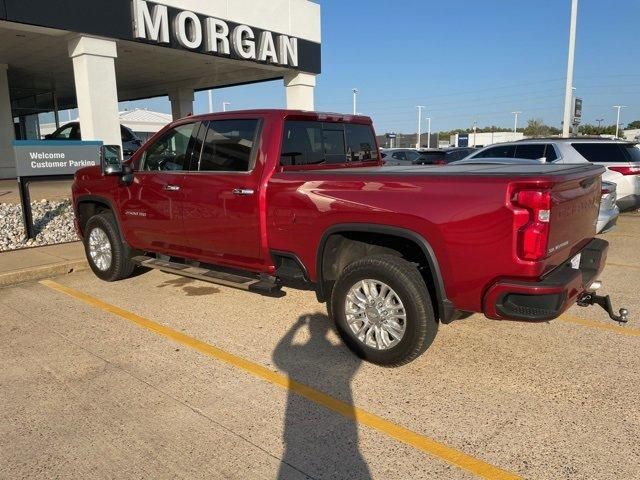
263	199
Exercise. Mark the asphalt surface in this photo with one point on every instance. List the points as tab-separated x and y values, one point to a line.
87	393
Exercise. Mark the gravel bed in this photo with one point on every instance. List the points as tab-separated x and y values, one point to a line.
53	222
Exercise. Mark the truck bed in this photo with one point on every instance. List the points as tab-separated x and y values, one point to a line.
538	171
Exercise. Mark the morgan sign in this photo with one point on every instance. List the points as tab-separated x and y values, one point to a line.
164	25
168	26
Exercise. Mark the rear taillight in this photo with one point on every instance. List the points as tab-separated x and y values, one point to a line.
626	170
533	236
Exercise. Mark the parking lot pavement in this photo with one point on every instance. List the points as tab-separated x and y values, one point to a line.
88	392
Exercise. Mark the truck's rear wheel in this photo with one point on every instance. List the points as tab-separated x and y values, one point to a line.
383	310
108	256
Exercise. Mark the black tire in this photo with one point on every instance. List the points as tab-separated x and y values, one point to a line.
121	265
404	278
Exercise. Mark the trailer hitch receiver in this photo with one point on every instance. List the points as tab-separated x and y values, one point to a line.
590	298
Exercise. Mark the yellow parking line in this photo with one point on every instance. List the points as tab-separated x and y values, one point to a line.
404	435
619	235
628	265
622	330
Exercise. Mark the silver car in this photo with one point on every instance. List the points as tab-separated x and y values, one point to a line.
621	159
609	211
412	156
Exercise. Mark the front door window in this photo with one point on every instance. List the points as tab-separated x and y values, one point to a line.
169	152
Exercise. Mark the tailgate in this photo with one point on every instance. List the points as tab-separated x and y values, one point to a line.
574	214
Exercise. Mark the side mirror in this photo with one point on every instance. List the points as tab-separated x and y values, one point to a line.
111	159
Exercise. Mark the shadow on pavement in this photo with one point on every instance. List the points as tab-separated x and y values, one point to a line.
318	442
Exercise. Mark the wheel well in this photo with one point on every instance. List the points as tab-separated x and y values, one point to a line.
89	208
343	248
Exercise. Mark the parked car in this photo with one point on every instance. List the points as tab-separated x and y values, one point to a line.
298	199
608	212
621	159
71	131
412	156
458	153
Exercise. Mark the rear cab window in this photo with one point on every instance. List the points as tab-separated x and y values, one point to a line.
326	143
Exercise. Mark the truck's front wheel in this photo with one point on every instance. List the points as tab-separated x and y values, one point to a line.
108	256
383	310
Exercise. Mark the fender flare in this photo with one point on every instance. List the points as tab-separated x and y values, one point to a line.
445	306
109	203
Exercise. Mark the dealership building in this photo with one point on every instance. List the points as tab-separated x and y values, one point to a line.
62	54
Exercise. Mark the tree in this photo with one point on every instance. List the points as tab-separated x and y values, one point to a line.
633	125
536	128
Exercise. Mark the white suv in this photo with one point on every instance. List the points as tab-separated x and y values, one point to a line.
622	159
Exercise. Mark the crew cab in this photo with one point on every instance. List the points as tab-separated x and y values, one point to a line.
263	199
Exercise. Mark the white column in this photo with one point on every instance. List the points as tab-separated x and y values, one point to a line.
96	88
181	102
300	89
7	131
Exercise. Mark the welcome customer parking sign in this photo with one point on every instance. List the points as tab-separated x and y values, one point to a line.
54	157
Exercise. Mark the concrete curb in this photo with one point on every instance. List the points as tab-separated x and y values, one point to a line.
42	271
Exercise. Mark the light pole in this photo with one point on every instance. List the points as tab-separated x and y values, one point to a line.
210	93
515	123
428	132
224	106
355	100
419	107
475	126
619	107
568	96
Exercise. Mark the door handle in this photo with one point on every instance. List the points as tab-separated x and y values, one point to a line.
171	188
243	191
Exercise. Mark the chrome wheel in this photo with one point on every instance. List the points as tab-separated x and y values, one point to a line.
375	314
100	249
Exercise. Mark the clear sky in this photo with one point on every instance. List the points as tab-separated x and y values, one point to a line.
465	61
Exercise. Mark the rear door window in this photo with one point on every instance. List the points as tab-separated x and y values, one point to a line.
456	155
601	152
228	146
531	151
412	155
500	151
